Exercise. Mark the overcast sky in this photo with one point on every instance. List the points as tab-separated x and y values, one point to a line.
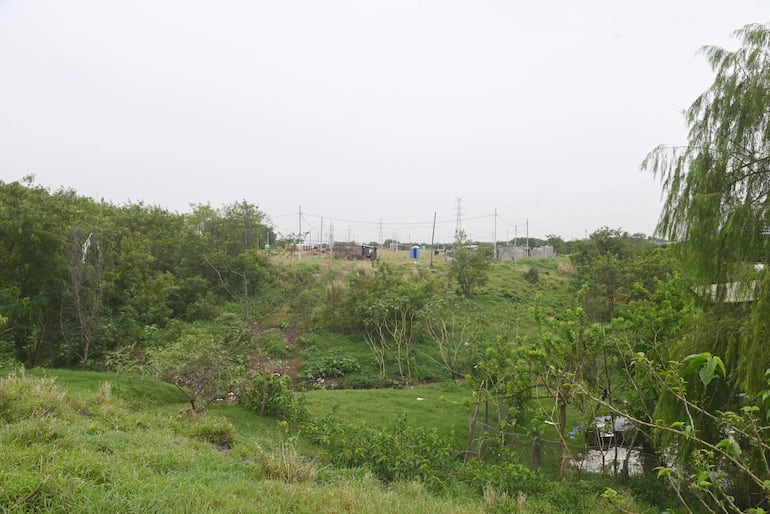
363	112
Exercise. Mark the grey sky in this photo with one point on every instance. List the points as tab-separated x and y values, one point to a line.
360	110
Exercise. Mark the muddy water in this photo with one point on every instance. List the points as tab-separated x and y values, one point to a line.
604	461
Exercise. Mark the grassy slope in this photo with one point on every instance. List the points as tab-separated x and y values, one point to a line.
78	446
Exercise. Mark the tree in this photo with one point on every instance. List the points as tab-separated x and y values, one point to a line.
31	267
203	365
86	266
611	264
717	210
455	333
560	246
717	189
470	264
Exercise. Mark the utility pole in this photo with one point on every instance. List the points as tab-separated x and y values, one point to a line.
432	238
527	237
380	240
299	236
321	235
495	233
515	234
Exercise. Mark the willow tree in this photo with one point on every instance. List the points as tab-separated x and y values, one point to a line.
716	193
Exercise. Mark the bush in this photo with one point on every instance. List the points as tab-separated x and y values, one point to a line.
366	382
199	362
532	276
403	453
274	345
333	365
507	479
271	395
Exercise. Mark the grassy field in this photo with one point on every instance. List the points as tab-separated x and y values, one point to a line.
98	442
78	441
443	407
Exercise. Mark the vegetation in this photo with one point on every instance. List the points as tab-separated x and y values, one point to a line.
221	376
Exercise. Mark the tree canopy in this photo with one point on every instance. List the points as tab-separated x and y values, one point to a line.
716	187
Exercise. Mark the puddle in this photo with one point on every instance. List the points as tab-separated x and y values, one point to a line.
604	461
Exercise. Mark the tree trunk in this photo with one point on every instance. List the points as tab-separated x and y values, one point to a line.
537	452
563	453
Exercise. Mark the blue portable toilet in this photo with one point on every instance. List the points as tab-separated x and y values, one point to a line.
414	252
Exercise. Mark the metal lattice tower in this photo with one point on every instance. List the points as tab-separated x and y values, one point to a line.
459	222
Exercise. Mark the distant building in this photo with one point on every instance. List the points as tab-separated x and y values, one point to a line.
514	253
354	251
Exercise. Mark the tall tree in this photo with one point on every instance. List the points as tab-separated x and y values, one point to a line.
717	189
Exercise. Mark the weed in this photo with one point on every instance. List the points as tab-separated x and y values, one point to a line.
287	464
213	429
23	397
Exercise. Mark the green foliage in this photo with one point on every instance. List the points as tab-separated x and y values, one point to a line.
271	395
403	452
705	364
274	344
715	188
80	278
532	275
469	265
509	478
201	363
614	266
332	365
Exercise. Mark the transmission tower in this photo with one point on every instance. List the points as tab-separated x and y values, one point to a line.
459	222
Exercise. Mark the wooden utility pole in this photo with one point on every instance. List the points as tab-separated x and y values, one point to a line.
432	238
495	233
299	236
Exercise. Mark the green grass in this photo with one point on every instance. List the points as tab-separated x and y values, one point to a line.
77	445
80	441
445	408
505	300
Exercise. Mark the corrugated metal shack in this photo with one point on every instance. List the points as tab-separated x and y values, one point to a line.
354	252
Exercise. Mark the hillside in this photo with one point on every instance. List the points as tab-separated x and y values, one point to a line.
99	442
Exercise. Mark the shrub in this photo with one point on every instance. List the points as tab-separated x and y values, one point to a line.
508	479
332	365
532	275
199	362
403	453
271	395
274	345
361	382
